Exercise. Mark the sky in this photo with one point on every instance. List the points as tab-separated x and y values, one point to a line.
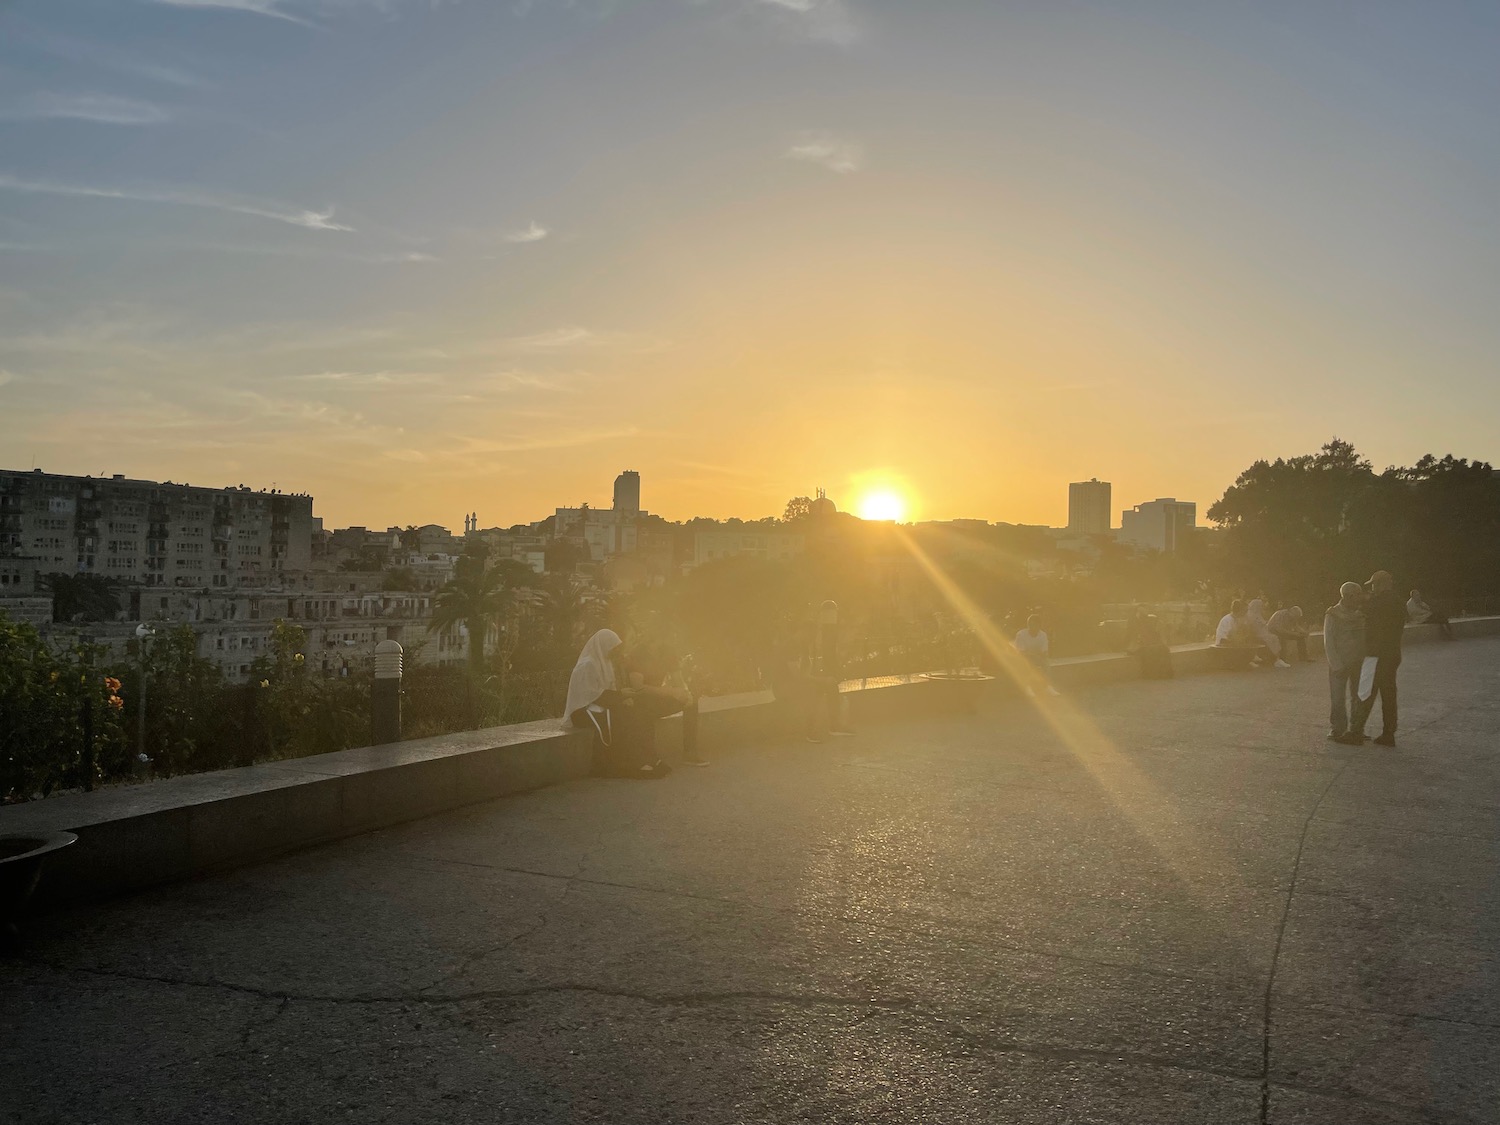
426	257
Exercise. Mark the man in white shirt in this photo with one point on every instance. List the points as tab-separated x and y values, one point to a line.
1031	642
1237	638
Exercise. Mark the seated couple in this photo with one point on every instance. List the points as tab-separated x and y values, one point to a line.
1246	638
613	700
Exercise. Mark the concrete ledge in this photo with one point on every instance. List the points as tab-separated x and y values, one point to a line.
134	836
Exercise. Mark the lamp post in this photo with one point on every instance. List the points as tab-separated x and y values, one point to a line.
86	716
143	632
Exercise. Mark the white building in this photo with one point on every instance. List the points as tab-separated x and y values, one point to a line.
1159	525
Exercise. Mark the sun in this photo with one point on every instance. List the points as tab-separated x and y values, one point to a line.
882	505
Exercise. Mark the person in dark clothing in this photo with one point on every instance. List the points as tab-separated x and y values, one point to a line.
1385	618
1151	649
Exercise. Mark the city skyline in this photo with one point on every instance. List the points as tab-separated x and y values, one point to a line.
480	521
408	256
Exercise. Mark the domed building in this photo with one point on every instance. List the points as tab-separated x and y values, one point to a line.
822	507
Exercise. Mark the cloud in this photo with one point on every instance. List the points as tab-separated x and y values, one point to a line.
6	377
834	153
103	109
532	233
826	21
555	338
254	7
311	220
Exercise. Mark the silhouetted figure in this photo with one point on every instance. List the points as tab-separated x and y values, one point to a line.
1289	628
815	698
1151	649
1344	646
1385	619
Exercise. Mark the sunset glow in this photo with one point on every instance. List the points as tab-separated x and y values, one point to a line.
882	505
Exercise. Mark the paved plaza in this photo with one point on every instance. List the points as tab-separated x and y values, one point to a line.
1158	902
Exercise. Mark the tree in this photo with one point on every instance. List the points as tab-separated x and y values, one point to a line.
81	597
59	715
1292	527
401	578
798	507
475	597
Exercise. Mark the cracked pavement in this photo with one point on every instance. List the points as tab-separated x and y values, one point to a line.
1172	903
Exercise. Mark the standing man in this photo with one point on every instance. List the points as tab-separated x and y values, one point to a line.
1344	645
1385	618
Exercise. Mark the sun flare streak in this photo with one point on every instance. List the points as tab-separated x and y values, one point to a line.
1196	861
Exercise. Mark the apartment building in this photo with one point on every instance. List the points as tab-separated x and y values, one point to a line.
154	534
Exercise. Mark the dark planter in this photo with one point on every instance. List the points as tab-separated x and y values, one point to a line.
21	859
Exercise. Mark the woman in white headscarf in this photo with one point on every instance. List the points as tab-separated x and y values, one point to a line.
622	717
593	676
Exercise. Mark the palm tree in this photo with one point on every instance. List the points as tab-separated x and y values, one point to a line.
474	598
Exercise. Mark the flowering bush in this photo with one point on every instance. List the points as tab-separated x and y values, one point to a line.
60	716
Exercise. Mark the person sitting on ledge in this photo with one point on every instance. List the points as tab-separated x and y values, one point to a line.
1290	629
1418	612
1033	644
1236	638
1151	649
622	718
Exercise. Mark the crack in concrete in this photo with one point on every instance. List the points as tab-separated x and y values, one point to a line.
1286	913
946	1023
474	958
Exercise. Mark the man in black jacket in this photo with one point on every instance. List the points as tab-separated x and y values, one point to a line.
1385	618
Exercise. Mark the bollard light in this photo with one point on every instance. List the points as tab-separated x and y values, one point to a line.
388	660
385	694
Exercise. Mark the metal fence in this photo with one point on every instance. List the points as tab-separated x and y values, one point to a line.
438	701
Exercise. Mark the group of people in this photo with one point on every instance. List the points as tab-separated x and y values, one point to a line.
1261	640
1361	641
617	695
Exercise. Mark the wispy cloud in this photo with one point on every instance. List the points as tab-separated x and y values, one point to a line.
103	109
311	220
828	21
108	57
531	233
834	153
6	377
254	7
555	338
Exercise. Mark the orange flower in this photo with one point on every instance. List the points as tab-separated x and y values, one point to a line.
112	683
116	702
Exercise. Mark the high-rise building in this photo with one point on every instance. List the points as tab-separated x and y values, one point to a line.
628	493
1158	525
1089	507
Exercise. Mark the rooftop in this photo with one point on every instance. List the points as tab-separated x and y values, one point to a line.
1174	903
